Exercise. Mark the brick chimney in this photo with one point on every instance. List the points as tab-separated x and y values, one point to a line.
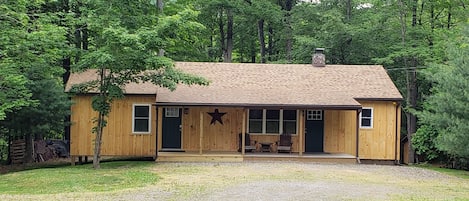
319	59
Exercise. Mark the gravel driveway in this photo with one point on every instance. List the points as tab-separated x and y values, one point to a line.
285	181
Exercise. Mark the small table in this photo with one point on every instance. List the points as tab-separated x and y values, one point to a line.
265	146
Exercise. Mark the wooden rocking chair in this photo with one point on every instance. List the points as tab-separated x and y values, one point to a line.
285	143
248	147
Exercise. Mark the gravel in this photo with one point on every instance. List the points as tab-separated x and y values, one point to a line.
283	181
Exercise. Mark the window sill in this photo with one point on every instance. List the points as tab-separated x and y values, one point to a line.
140	133
264	134
367	128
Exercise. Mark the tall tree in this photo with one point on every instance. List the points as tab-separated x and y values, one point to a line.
446	110
125	49
32	50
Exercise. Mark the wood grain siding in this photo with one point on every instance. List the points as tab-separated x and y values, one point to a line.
216	137
118	139
340	131
379	142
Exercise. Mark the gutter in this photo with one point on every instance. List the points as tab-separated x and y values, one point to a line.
266	106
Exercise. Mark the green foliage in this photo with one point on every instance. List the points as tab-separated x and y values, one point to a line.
125	47
112	176
15	94
446	109
424	143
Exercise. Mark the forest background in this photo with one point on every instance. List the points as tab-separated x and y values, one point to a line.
423	44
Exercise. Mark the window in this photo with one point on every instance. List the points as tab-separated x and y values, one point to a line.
171	112
255	121
272	121
289	121
141	118
366	118
314	115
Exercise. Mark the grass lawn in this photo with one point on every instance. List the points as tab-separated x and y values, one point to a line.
453	172
115	175
147	180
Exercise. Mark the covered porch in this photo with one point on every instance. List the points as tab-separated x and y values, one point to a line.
201	138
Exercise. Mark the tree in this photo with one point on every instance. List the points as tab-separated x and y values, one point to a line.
447	109
125	51
15	95
32	47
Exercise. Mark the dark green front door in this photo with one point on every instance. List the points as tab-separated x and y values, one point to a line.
171	138
314	133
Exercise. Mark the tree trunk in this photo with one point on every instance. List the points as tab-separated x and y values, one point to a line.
28	155
349	10
260	32
412	92
270	49
221	28
449	18
98	142
289	36
411	103
160	6
253	55
229	36
100	123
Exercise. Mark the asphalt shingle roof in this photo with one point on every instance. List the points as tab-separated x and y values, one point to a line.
285	85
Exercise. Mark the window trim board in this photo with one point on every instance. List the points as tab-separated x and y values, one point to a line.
133	118
371	117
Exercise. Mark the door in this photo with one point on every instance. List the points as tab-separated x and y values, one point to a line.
314	131
171	138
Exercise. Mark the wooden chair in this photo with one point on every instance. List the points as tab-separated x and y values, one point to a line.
248	147
285	143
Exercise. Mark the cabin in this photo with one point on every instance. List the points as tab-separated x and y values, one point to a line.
333	113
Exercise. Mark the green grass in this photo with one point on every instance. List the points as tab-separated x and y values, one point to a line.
453	172
82	178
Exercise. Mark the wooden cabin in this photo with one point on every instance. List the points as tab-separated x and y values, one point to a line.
339	113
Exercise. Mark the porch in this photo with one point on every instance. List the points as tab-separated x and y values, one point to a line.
254	156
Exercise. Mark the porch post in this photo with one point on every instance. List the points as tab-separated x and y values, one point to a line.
201	140
159	134
301	130
243	133
358	135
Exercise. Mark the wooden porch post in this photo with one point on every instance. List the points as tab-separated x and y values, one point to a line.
159	134
201	140
301	130
243	133
358	135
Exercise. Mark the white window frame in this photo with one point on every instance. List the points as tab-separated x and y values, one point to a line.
370	118
264	121
315	115
134	118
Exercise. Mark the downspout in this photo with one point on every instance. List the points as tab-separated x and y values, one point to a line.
396	160
357	130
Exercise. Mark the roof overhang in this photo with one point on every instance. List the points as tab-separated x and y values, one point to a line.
266	106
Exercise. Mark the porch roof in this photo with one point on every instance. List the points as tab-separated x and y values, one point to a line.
281	85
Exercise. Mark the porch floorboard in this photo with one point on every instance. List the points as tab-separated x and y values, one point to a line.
254	156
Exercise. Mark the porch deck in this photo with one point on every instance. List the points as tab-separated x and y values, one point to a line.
256	156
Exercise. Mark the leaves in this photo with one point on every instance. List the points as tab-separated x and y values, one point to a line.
447	109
